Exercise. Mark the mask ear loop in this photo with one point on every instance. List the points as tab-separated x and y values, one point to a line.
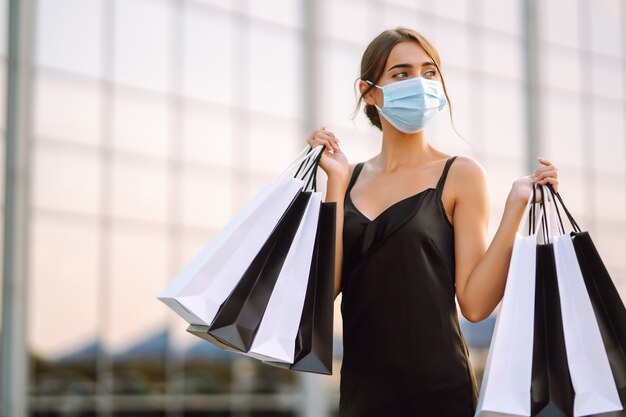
371	83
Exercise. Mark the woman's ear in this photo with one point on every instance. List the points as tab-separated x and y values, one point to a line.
367	97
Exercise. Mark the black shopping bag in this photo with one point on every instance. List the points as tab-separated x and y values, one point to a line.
239	317
552	393
607	304
314	343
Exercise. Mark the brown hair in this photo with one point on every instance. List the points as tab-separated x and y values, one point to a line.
374	60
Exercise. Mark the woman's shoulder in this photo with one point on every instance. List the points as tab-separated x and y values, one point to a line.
466	173
466	165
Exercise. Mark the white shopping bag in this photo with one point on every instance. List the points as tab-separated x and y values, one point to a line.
594	385
276	337
505	387
202	286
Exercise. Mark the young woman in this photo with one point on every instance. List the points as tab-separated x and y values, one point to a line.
407	244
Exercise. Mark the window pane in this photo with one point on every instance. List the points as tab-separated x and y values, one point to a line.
346	20
608	237
141	123
207	198
4	23
142	43
275	72
608	79
563	129
286	12
3	94
503	123
560	67
453	9
609	200
69	35
66	179
273	143
66	108
605	17
505	16
608	138
504	57
406	5
208	55
63	291
392	15
218	4
464	93
140	189
208	136
340	90
138	268
453	45
565	12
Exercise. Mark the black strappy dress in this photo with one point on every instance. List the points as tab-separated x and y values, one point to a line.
403	350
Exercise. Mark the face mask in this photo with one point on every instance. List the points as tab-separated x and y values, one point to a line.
411	104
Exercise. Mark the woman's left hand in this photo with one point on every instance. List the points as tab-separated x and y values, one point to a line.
522	187
547	174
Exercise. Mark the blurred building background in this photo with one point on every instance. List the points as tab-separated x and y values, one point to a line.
151	122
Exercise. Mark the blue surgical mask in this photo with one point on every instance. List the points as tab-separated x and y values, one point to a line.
410	104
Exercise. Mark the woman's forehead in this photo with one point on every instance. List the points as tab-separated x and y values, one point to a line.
407	53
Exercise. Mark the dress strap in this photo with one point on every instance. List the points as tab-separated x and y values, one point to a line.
444	174
355	174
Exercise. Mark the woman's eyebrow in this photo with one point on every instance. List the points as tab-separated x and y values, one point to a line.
424	64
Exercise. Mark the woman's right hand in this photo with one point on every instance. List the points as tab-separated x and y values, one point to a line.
334	163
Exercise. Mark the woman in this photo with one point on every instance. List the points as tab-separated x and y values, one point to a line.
407	245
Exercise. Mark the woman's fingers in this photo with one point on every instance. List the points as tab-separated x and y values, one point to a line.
330	139
327	138
546	173
549	167
541	174
551	180
330	133
545	161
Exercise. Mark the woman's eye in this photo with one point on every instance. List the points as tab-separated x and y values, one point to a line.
431	72
404	72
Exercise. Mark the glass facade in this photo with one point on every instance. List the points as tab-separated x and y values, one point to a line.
155	121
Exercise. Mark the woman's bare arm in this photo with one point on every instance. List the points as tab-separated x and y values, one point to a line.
335	191
481	272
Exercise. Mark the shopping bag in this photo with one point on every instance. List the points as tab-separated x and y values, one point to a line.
260	315
506	380
594	386
551	389
266	303
607	305
239	316
276	334
198	291
314	341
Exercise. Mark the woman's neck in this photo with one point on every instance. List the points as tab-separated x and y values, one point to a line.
401	149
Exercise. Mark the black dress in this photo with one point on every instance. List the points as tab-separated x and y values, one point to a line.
403	350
